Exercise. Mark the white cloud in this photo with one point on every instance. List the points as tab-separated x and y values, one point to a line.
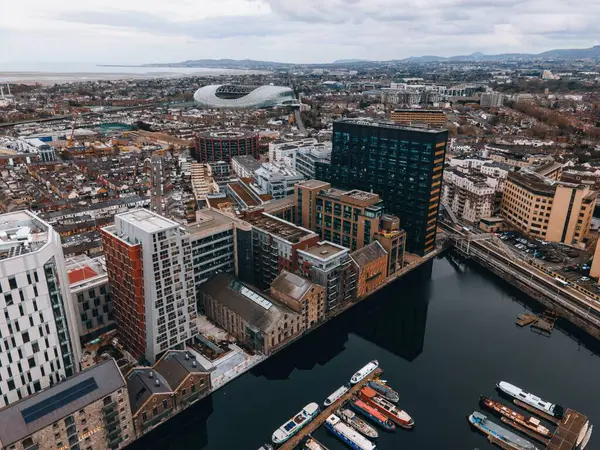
139	31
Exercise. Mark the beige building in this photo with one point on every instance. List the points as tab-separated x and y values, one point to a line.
89	410
432	117
300	295
371	265
393	241
468	195
347	218
550	210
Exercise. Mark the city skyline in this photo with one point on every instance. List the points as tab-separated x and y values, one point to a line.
136	32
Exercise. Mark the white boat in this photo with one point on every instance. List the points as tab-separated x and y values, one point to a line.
584	430
337	394
531	400
587	437
295	424
362	373
351	437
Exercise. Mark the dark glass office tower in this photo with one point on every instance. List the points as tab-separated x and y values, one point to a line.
404	165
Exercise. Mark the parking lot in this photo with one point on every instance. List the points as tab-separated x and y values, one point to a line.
572	264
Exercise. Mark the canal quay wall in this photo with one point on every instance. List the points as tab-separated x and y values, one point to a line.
580	309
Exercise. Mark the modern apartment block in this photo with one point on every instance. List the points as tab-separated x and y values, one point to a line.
275	245
212	238
90	295
150	271
403	165
300	295
38	326
329	265
491	99
87	411
348	218
468	195
433	117
301	155
551	210
308	157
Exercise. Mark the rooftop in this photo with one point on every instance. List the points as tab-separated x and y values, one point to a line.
176	365
142	383
368	253
254	308
291	285
278	227
206	220
324	250
82	269
314	184
21	232
390	125
21	419
147	220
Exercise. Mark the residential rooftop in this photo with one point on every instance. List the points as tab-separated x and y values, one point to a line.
21	232
291	285
278	227
368	253
21	419
142	383
84	271
147	220
325	250
368	122
312	184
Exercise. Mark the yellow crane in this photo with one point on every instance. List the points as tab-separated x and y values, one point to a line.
70	140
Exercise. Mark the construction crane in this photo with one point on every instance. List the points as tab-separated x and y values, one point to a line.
70	141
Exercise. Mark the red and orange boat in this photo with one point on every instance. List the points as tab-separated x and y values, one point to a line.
387	408
532	424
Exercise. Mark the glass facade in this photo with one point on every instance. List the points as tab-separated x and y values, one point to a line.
403	165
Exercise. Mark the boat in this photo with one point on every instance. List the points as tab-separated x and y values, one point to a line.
584	430
295	424
372	414
532	424
532	400
384	390
337	394
312	444
587	437
351	437
481	422
362	373
357	423
388	409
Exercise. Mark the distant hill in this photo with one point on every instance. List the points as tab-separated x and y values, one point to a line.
581	53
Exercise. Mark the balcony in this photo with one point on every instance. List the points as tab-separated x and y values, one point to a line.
114	433
111	418
109	406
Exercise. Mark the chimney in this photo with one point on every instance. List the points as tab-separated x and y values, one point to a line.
150	374
194	363
157	383
187	356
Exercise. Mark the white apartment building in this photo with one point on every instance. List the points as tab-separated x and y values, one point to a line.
276	179
468	195
282	148
168	295
307	157
38	333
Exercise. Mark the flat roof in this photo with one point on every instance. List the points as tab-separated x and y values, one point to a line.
21	419
325	250
313	184
207	219
367	122
278	227
147	220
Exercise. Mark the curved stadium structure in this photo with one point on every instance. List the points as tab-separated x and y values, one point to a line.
229	96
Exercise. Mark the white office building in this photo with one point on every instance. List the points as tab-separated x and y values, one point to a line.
276	179
307	157
38	333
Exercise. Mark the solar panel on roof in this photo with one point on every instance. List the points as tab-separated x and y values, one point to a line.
59	400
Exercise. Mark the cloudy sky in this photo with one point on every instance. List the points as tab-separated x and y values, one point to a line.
143	31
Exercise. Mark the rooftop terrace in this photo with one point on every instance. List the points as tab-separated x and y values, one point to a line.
278	227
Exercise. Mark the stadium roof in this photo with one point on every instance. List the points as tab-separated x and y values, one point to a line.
229	96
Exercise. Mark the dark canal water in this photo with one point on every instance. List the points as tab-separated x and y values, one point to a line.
443	335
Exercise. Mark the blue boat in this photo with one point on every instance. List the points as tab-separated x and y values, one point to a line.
347	434
481	422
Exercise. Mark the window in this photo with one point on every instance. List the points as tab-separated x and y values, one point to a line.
12	282
165	405
193	388
144	416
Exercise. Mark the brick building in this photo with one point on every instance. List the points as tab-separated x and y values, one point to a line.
89	410
371	263
300	295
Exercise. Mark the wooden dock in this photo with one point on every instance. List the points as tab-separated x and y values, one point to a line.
331	409
545	323
527	431
526	319
565	436
536	411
